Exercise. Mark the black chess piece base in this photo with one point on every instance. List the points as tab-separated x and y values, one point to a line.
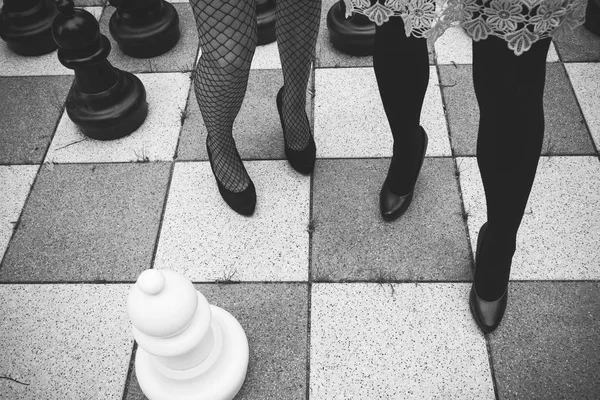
148	33
354	35
28	31
592	17
111	114
265	19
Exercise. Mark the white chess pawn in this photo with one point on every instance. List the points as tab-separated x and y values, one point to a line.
187	348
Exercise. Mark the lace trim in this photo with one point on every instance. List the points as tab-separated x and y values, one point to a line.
520	22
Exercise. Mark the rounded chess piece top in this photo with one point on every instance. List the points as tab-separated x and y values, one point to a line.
74	29
162	303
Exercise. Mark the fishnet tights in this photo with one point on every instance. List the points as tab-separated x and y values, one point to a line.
227	32
296	28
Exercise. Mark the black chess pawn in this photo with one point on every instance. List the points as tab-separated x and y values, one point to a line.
265	19
104	102
26	26
144	28
354	35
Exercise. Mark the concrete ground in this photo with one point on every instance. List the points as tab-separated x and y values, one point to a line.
336	303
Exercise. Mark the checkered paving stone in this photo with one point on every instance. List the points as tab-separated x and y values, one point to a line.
336	303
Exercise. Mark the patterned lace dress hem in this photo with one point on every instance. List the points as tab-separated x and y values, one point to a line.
519	22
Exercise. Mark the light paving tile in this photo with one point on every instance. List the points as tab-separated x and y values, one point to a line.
400	341
155	140
266	57
547	344
24	139
88	3
558	238
88	222
565	130
351	242
585	78
179	58
12	64
455	47
64	341
204	239
274	317
350	120
15	181
581	45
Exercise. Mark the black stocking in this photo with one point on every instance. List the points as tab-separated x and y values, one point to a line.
227	32
296	28
509	91
401	67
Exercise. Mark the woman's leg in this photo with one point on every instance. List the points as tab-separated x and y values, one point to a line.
297	27
509	91
401	67
228	36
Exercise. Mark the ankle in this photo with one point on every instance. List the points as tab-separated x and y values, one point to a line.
492	269
501	243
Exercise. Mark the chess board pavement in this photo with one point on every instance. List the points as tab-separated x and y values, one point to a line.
336	303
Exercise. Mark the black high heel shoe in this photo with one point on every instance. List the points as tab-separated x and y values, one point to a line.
487	314
243	202
302	161
391	205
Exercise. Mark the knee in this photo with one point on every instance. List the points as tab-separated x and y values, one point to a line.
229	58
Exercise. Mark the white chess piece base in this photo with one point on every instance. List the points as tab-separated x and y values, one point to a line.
219	377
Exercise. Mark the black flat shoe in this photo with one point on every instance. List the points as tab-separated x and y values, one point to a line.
243	202
487	314
302	161
391	205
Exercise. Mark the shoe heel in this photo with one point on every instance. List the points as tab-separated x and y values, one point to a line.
302	161
487	314
244	202
391	205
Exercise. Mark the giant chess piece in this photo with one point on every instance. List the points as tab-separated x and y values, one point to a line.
26	26
265	19
188	349
105	102
144	28
354	35
592	17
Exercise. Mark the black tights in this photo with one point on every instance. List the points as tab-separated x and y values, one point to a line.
509	91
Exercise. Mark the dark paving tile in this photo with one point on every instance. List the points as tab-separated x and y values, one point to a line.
352	242
88	222
257	129
565	134
274	317
30	108
547	344
329	57
180	58
579	46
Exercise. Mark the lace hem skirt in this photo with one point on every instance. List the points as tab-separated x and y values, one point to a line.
519	22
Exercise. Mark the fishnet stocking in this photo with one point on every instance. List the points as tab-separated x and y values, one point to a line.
296	28
228	36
